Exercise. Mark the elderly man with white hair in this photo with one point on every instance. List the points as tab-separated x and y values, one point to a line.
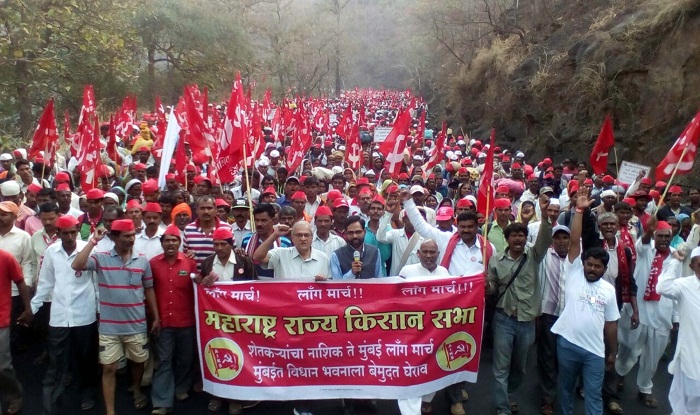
685	367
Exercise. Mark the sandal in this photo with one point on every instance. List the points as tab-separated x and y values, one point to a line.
465	395
14	407
615	408
513	407
426	408
648	400
547	408
140	401
214	405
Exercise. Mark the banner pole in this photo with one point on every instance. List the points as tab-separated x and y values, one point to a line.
617	169
247	186
673	175
486	228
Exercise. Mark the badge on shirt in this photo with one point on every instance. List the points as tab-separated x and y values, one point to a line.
182	273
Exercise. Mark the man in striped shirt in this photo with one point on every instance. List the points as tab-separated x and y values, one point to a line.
124	278
197	236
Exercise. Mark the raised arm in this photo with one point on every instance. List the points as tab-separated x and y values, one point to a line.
422	227
667	286
582	203
80	261
544	237
261	254
383	234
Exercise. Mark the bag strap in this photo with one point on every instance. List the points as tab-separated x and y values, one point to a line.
412	242
515	275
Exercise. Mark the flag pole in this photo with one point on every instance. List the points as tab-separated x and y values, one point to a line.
673	175
486	227
617	169
247	186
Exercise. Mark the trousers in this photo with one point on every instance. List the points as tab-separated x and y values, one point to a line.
646	345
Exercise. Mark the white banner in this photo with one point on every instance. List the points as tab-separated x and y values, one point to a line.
380	134
629	172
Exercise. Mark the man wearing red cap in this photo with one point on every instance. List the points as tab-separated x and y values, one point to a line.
364	198
64	196
673	205
645	184
72	325
341	211
324	240
148	241
647	342
150	190
91	219
502	215
172	281
122	325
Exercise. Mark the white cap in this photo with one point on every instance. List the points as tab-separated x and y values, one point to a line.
454	157
417	158
263	163
10	188
112	196
607	193
274	153
375	155
461	143
416	189
449	154
5	157
480	155
370	172
519	154
337	169
472	141
695	252
554	202
341	148
268	145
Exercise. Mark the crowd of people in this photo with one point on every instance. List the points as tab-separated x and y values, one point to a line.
594	273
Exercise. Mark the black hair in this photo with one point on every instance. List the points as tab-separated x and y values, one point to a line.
21	162
515	228
113	208
597	253
48	192
622	206
264	208
283	170
467	216
162	237
288	211
38	168
167	199
48	207
312	181
354	219
338	176
206	198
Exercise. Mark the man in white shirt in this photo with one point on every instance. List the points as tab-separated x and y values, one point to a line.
587	327
72	323
404	242
300	262
324	240
647	342
148	241
685	367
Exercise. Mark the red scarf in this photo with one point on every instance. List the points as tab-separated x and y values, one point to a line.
454	240
626	238
650	293
623	270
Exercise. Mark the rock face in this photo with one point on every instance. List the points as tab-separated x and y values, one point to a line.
548	93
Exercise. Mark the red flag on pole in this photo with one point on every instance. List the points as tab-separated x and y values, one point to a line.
66	128
353	145
301	141
682	154
233	134
46	135
392	148
111	149
87	111
599	155
89	158
485	195
436	156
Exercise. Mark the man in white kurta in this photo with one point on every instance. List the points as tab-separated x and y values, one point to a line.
404	242
685	367
647	342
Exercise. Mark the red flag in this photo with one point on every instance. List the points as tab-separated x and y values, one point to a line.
89	158
181	155
66	128
392	148
161	124
485	195
233	134
436	156
125	118
301	141
345	124
599	155
199	135
224	358
457	349
675	159
353	154
46	135
87	111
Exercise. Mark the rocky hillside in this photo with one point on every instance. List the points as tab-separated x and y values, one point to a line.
547	90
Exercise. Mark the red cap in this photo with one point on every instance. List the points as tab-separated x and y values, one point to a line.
133	204
34	188
608	179
403	176
365	191
466	161
123	225
444	213
333	195
654	194
298	195
222	233
143	148
630	201
66	221
328	143
496	149
573	189
173	230
675	189
502	189
646	181
663	225
149	187
363	181
269	191
638	194
61	177
464	203
516	165
170	176
528	169
531	177
379	199
222	203
392	188
501	203
660	185
587	182
302	179
463	170
548	176
341	202
95	194
139	166
152	207
201	179
191	167
323	211
547	161
505	159
63	188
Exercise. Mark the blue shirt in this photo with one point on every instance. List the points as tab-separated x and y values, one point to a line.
384	249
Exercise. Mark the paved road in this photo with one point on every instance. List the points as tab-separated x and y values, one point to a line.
480	401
